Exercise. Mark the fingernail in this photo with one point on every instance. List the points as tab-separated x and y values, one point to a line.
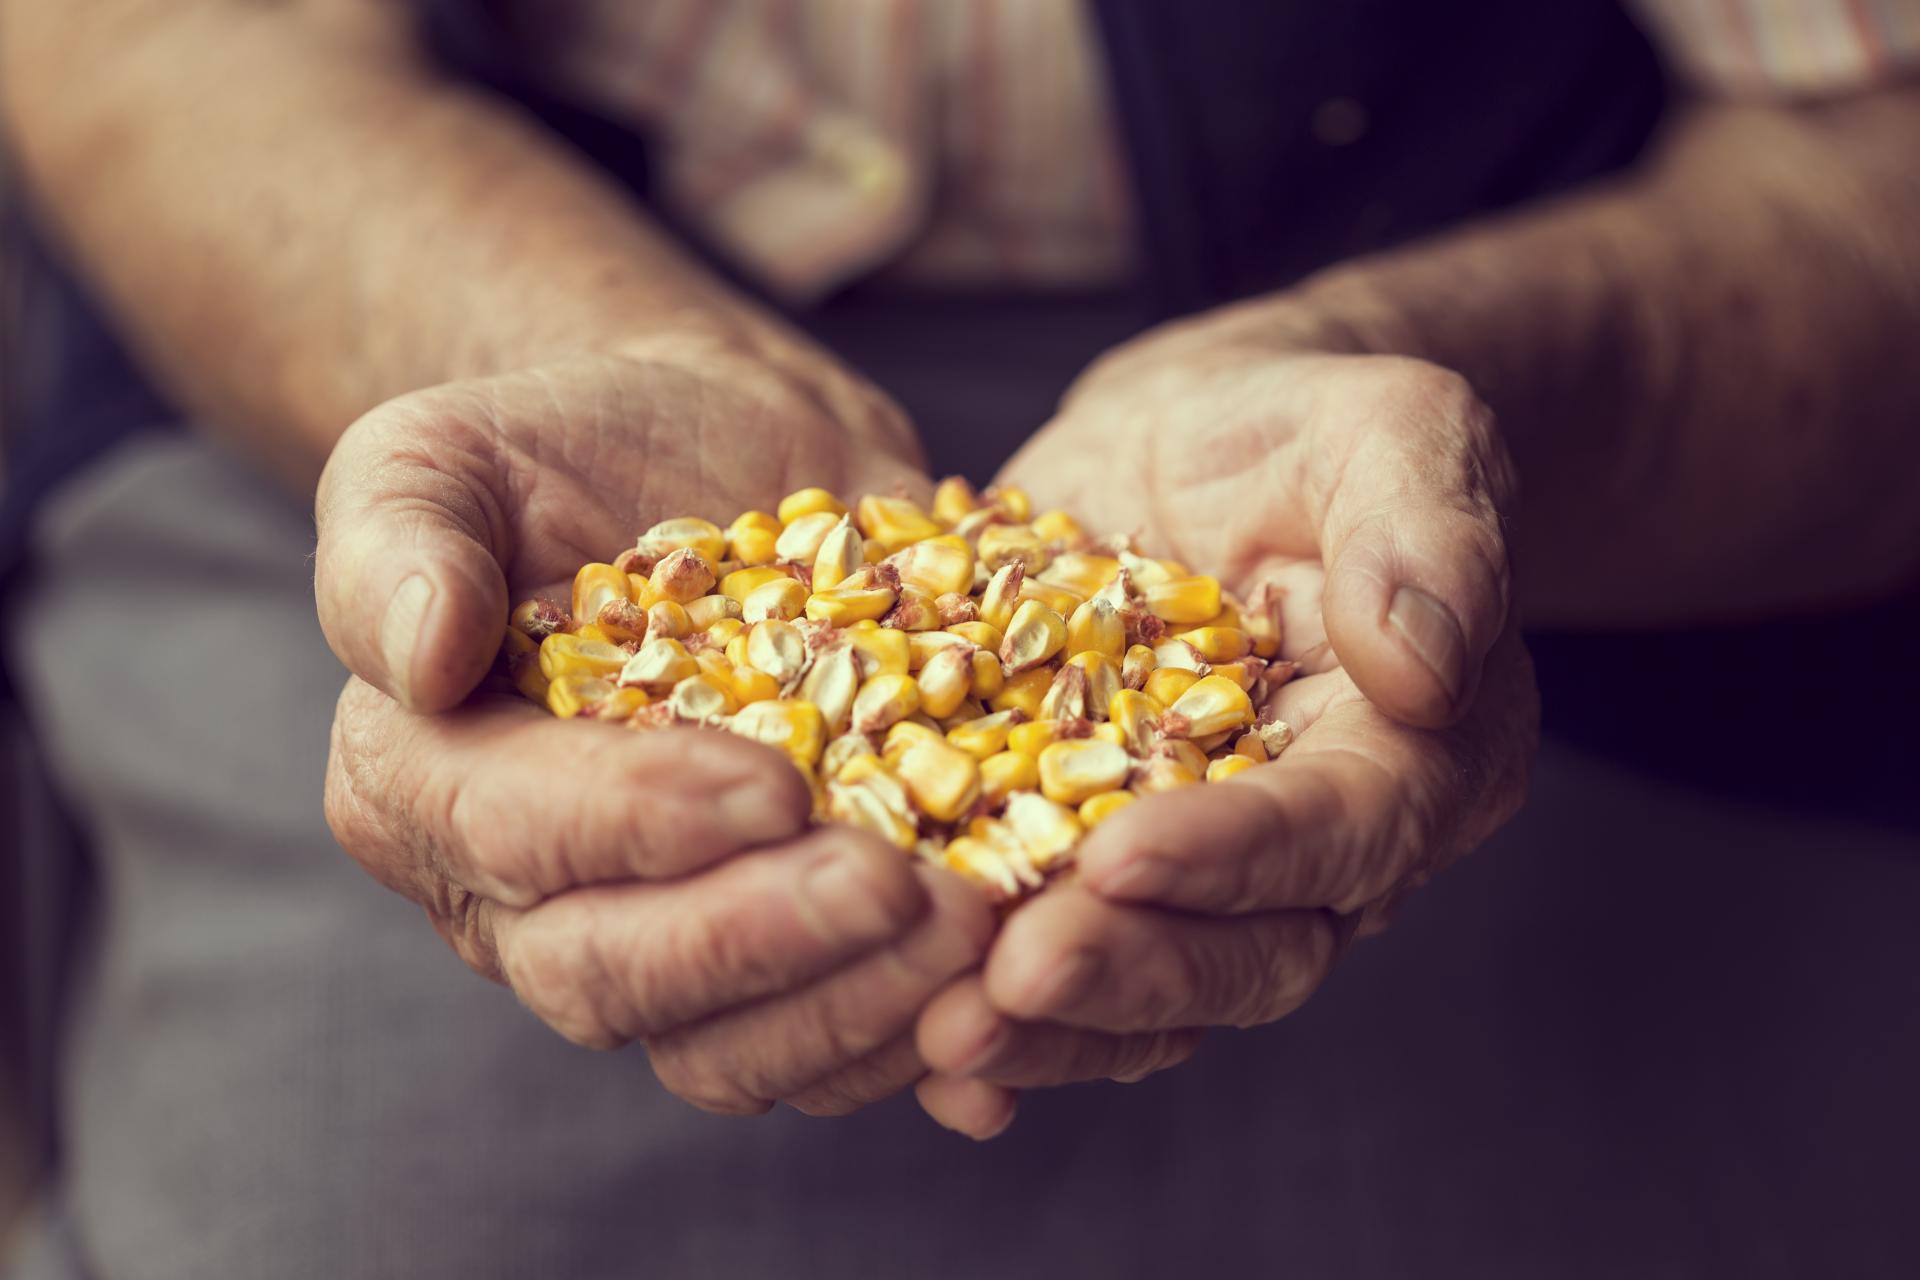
989	1049
844	897
1006	1122
1142	878
1067	985
400	632
755	812
1430	628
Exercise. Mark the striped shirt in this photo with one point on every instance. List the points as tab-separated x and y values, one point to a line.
971	143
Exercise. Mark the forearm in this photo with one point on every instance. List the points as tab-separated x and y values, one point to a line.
293	220
1706	372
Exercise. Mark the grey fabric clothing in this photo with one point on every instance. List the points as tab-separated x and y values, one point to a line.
1580	1054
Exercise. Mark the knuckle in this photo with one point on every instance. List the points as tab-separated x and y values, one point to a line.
692	1077
544	966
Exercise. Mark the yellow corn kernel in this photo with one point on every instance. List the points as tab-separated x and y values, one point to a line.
860	767
741	583
777	648
913	610
831	684
984	634
681	576
843	605
538	619
684	533
800	541
1023	692
517	646
1006	772
1081	572
840	552
1103	681
1226	766
1097	627
869	803
984	735
1002	595
593	631
952	499
1000	545
901	737
1107	731
621	704
923	645
945	681
943	780
1167	684
1250	746
1033	737
723	633
751	537
639	591
1138	664
988	677
1078	769
1058	526
1035	634
595	587
736	650
569	695
938	566
1218	644
783	598
702	699
1098	809
894	523
882	700
531	681
749	685
881	651
568	655
969	709
1241	673
806	502
983	866
668	621
1187	599
1164	774
1013	502
1046	830
1212	705
1058	599
1137	716
1067	696
786	724
707	610
1178	655
1263	620
660	664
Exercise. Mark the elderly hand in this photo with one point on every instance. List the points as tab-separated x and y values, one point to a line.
661	887
1370	491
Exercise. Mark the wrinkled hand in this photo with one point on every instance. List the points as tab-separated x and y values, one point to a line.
660	887
1369	490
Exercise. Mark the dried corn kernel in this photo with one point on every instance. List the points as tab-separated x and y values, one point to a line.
568	655
594	587
1007	772
681	576
1046	829
984	735
785	724
741	583
1012	501
1103	681
842	605
1098	809
1001	596
1138	664
1034	634
1218	644
1212	705
1077	770
569	695
806	502
945	681
668	621
841	552
1058	526
1023	692
1137	716
1194	599
881	651
783	599
943	780
1096	627
660	664
1165	686
1226	766
938	566
894	522
952	499
882	700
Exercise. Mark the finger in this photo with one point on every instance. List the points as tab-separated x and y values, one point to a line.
407	573
746	1057
1357	806
961	1033
974	1108
611	964
879	1075
1071	956
514	805
1417	575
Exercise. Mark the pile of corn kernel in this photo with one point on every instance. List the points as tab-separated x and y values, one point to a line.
977	684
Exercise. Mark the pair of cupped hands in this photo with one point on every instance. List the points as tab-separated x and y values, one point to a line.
666	887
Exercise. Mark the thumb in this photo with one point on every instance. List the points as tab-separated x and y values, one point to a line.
407	574
1417	573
